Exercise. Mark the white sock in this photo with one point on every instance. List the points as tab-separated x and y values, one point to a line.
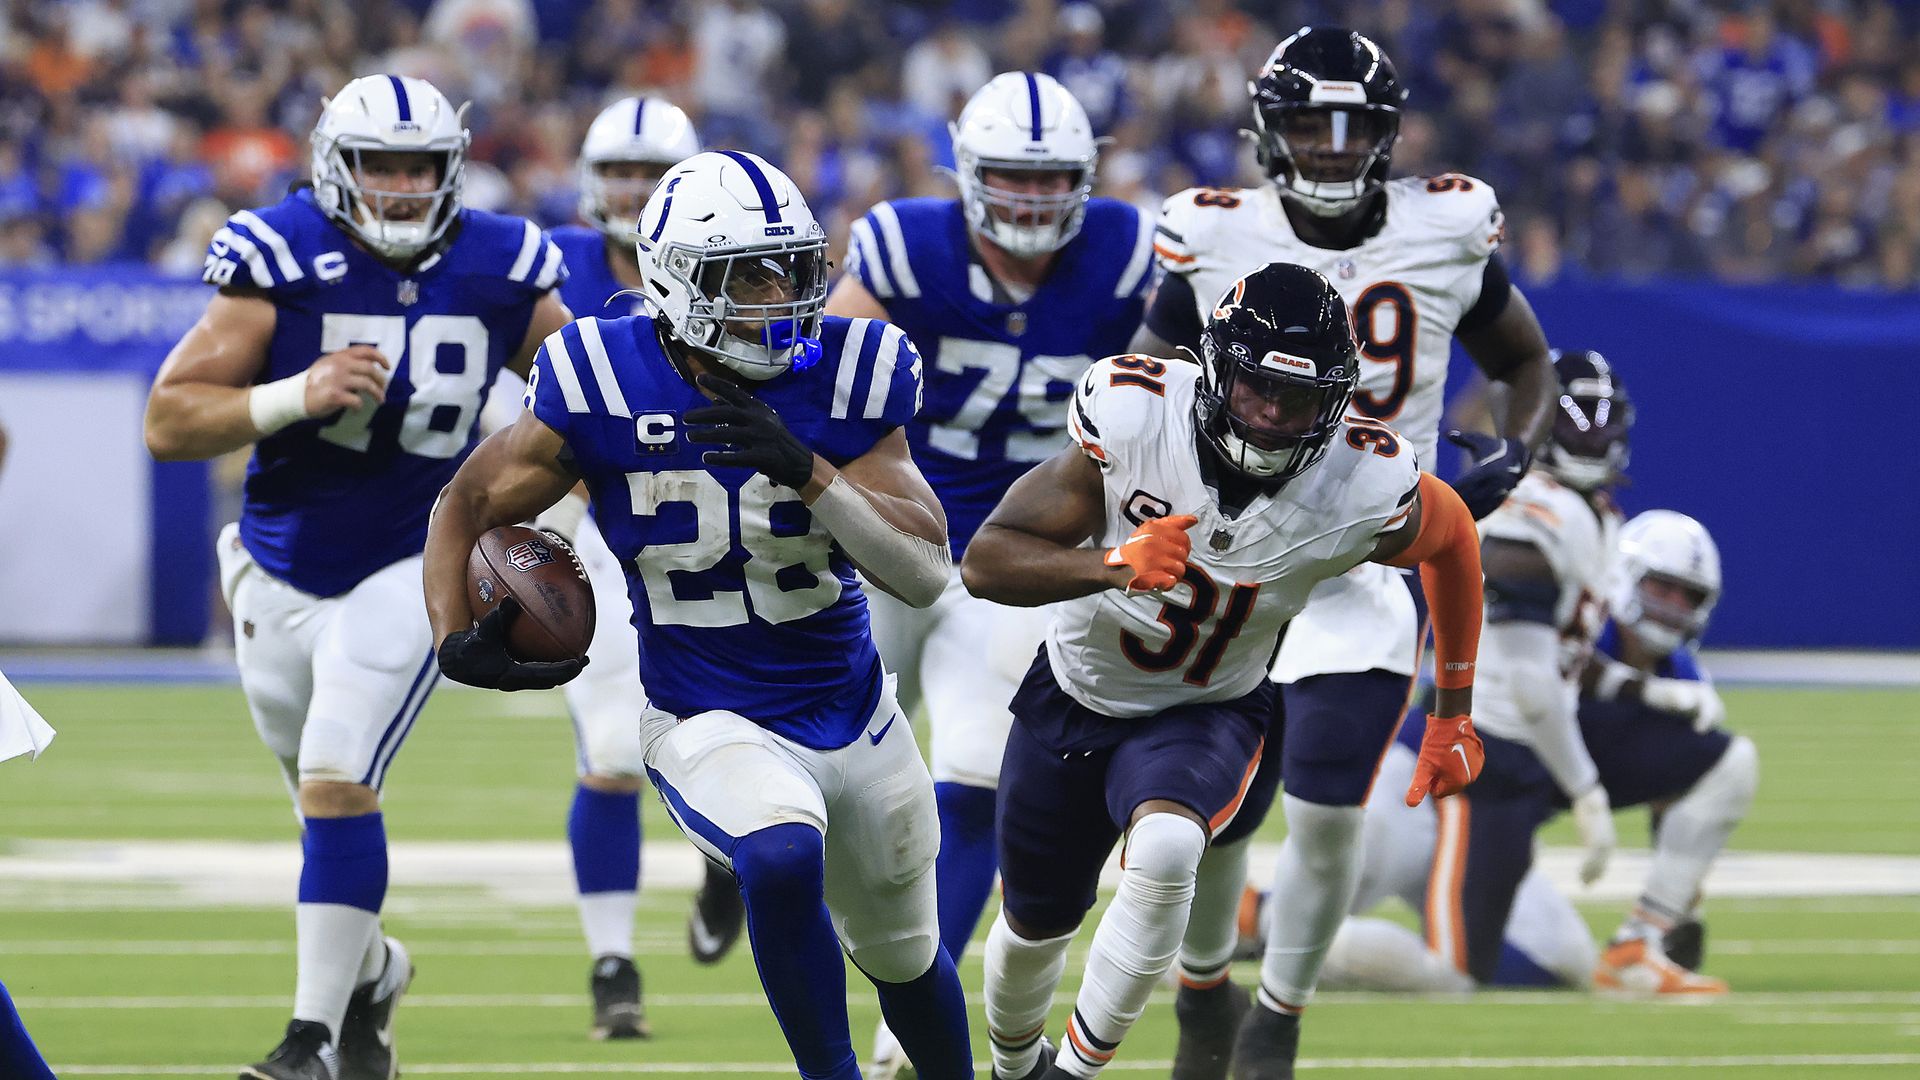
1693	832
331	947
1021	978
373	963
1374	954
1213	929
1136	940
607	917
1313	887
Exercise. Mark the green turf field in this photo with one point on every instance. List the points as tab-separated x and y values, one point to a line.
121	978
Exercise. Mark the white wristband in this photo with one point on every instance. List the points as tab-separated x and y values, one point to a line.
563	517
913	569
274	405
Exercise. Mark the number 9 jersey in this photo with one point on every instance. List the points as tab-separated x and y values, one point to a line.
331	500
1211	637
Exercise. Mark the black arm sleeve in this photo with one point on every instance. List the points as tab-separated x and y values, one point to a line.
1173	316
1495	290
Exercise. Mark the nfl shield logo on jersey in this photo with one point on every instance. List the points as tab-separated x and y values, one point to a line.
408	293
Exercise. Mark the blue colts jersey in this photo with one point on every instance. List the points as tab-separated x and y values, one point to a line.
331	500
590	285
999	374
742	600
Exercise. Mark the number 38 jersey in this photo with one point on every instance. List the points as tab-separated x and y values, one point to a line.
1407	285
331	500
1210	637
741	599
998	373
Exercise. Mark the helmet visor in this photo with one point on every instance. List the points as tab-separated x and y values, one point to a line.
1333	145
1275	413
770	297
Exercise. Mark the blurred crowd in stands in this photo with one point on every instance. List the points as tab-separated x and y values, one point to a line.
1740	139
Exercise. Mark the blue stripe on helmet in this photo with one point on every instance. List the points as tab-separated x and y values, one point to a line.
665	209
400	98
1033	99
769	205
639	115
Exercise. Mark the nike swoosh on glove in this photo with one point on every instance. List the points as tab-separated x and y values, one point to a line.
1451	757
1497	465
1156	552
479	657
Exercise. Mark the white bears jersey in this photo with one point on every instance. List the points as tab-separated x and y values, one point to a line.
1407	286
1577	540
1211	637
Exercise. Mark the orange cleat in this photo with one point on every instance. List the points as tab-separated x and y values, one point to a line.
1637	966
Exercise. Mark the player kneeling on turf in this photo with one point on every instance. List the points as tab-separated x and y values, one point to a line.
1145	711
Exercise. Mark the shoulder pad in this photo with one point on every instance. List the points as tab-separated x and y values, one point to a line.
1127	239
875	369
512	247
1553	518
1120	401
1188	219
1371	469
1458	208
878	248
266	249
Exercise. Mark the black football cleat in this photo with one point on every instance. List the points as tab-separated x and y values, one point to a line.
1686	943
1209	1022
1266	1046
305	1054
366	1035
1043	1068
617	1012
713	926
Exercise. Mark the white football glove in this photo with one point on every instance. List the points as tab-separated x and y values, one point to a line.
1593	818
1686	697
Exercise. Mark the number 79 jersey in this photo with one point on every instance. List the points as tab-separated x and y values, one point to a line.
1211	637
331	500
1407	285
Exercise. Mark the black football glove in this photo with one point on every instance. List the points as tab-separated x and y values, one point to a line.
1497	464
478	657
750	433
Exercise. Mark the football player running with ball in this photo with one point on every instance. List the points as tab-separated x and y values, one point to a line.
1010	291
358	326
1414	260
743	456
1199	508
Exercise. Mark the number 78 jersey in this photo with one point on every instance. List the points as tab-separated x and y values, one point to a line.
1407	285
1210	637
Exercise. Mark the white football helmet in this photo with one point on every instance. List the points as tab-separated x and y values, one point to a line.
634	129
1024	121
390	113
735	263
1673	548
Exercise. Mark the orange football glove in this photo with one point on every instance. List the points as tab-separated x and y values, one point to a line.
1451	757
1157	552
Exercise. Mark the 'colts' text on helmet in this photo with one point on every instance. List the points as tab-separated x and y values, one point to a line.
735	263
1278	368
1326	111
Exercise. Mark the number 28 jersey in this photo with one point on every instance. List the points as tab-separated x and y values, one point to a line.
1210	637
742	600
1407	286
331	500
998	373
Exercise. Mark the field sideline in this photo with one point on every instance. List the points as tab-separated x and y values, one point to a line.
125	969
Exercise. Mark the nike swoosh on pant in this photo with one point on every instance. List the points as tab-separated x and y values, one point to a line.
875	736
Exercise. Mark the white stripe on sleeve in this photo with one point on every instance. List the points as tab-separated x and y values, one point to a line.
282	254
1141	262
562	363
616	402
849	365
549	270
868	250
249	253
886	359
529	247
897	261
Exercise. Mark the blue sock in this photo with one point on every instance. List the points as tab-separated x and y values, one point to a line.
967	862
782	872
345	862
604	829
19	1060
1518	969
929	1017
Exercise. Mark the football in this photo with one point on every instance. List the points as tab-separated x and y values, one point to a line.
542	572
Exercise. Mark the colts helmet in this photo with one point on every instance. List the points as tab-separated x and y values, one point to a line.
1591	424
1326	111
389	113
641	130
1668	547
1277	369
1024	121
735	263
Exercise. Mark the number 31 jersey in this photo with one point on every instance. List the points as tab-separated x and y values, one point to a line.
742	600
998	373
331	500
1407	285
1210	637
